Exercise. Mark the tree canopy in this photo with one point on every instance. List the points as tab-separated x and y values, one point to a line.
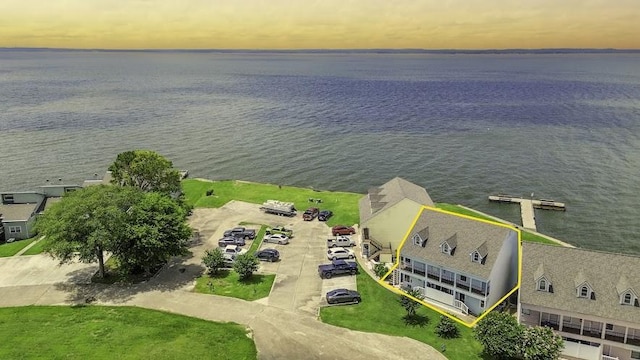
141	230
146	170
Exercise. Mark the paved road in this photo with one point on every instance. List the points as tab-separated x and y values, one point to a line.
283	327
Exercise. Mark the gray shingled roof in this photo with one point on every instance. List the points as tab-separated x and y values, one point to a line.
469	236
606	273
383	197
17	212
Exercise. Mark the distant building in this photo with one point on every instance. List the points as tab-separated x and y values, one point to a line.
386	213
19	209
591	298
460	263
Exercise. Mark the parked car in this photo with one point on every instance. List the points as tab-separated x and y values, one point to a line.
279	230
342	230
241	232
280	239
340	253
341	240
270	255
234	250
337	267
310	214
230	240
340	296
325	215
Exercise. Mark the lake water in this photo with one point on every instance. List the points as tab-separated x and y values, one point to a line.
561	126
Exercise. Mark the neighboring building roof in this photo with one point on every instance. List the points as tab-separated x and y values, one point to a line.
607	274
467	235
17	212
383	197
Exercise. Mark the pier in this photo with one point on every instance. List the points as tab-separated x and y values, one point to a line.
527	207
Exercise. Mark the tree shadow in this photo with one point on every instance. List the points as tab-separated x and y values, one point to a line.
416	320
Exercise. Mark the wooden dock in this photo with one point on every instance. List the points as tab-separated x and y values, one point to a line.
527	206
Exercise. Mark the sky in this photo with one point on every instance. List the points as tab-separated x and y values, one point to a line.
315	24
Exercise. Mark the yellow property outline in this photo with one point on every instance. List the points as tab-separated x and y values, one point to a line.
406	236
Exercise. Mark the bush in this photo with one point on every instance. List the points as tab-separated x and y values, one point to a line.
380	270
499	334
447	328
213	260
245	265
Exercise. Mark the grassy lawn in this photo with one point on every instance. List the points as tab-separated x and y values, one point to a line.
227	283
344	205
381	312
37	248
10	249
531	237
255	245
97	332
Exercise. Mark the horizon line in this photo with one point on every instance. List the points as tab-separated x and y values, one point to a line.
339	50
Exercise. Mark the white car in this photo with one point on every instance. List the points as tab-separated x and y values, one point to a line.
234	250
276	238
340	253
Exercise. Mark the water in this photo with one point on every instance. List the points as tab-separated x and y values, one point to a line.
561	126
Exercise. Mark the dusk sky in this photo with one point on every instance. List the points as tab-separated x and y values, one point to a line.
313	24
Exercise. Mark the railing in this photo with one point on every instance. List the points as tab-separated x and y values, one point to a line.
607	357
596	333
418	272
447	281
550	324
570	328
614	336
461	306
478	291
433	276
462	286
633	340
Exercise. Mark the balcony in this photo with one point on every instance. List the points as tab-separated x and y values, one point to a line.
571	328
447	281
614	336
419	272
433	276
478	291
633	341
552	325
596	333
462	286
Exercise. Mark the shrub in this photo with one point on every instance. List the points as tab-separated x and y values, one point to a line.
380	270
213	260
447	328
245	265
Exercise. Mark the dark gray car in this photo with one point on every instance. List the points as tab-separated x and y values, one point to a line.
339	296
231	241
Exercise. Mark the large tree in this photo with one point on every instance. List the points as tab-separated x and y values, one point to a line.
146	170
500	334
141	230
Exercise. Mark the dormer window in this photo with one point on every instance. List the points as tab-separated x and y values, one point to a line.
417	240
627	299
585	291
446	249
542	285
475	257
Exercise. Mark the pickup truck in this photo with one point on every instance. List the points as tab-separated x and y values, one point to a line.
310	214
241	232
279	230
342	241
337	267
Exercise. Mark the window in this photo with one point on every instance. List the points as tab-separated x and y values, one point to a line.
15	229
542	285
417	240
482	303
609	326
475	257
445	248
463	278
7	198
584	292
635	354
627	299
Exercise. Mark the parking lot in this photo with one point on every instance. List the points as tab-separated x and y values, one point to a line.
297	286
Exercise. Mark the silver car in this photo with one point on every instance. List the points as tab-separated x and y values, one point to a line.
280	239
340	253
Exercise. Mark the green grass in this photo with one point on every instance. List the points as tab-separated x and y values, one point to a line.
380	312
97	332
227	283
257	240
531	237
344	205
36	249
10	249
